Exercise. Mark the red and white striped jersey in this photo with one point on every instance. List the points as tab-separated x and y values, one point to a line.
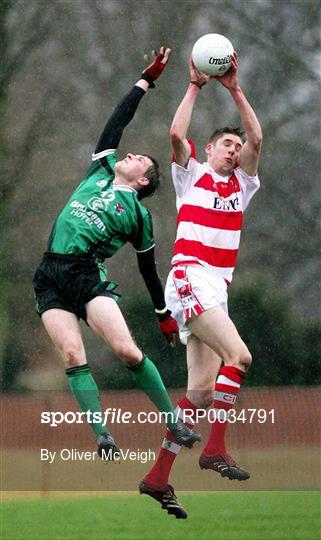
210	211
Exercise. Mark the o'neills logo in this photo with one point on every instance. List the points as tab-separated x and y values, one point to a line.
223	396
220	61
229	398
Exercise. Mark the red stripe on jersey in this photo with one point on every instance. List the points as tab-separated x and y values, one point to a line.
217	219
223	258
224	189
193	151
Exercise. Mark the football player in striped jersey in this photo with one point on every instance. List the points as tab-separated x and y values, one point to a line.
211	199
102	214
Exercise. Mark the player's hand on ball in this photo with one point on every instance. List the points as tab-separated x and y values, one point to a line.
230	77
197	77
169	329
157	64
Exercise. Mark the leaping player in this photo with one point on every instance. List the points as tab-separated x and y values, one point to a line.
211	200
102	214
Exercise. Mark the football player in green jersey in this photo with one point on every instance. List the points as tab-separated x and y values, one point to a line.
104	213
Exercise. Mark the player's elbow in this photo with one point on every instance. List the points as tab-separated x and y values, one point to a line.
255	144
257	140
175	135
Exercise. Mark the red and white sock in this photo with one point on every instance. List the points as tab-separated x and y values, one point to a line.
226	390
159	474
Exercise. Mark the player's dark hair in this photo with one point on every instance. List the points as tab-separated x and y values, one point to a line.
153	175
218	133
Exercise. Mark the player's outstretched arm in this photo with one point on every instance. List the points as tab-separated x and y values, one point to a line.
183	115
127	107
148	270
250	153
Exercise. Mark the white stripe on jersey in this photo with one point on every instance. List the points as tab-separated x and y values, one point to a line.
209	236
201	197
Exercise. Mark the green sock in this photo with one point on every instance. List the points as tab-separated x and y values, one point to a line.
149	380
85	392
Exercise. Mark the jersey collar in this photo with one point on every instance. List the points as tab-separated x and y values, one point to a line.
124	187
222	178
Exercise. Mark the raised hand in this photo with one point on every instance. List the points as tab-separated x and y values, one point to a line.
157	65
197	77
230	77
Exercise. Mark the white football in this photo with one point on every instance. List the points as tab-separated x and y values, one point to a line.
212	54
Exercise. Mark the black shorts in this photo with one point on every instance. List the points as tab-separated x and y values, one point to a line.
68	282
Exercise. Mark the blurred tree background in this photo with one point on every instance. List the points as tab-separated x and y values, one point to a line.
64	66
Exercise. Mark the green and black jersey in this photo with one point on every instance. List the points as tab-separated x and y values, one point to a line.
100	216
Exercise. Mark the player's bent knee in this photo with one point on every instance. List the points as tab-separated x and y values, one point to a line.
246	360
73	356
129	355
241	360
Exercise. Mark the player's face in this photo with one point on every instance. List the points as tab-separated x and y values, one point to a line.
133	167
224	154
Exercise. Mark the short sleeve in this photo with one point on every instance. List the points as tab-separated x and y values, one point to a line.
183	177
249	185
145	237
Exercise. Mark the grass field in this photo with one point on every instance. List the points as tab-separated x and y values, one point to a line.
219	516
